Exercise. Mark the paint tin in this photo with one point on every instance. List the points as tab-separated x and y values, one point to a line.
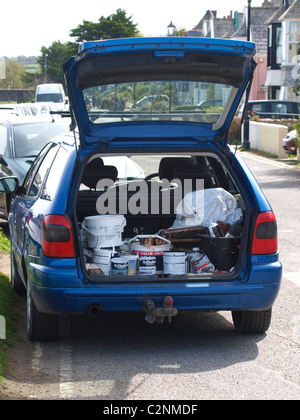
102	257
174	263
104	230
119	266
150	250
132	263
147	265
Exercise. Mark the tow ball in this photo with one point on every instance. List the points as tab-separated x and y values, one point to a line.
157	314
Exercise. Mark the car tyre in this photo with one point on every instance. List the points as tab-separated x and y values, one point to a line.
15	278
252	322
40	326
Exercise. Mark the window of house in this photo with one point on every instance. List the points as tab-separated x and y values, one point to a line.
274	46
294	39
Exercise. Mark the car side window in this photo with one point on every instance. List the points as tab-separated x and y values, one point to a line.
257	107
31	172
279	108
41	173
3	140
53	178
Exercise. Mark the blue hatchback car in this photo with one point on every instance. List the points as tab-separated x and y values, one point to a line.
191	230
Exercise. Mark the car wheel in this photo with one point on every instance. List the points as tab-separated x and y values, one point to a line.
15	278
252	322
40	326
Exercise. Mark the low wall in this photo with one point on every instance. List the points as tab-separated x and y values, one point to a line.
267	137
16	95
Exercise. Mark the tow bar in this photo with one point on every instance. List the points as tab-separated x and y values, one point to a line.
154	314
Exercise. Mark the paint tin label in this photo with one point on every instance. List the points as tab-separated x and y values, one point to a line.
119	266
147	265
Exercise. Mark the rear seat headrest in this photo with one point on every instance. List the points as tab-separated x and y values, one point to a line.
194	173
96	170
169	164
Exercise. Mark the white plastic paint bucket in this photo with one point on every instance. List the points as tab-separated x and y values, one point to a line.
119	266
174	263
152	250
147	265
102	258
104	230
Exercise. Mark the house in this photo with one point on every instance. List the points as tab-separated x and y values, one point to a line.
235	26
210	26
283	48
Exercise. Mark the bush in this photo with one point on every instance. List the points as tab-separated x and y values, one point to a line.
297	141
234	136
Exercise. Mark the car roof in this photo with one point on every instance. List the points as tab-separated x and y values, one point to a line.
17	120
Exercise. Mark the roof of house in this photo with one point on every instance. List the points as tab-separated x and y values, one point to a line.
228	27
292	13
259	34
275	18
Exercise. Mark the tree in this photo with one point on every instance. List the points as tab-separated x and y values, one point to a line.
31	80
297	141
117	25
13	75
54	57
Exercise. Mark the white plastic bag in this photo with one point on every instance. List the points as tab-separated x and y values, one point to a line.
204	207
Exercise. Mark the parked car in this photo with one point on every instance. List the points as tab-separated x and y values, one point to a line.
206	104
197	233
10	109
21	140
152	100
288	143
274	108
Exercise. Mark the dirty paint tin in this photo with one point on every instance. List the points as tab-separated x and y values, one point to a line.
147	265
119	266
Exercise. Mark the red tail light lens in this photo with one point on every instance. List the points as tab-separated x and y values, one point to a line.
57	238
265	234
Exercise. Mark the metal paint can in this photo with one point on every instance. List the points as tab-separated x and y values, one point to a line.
174	263
147	265
119	266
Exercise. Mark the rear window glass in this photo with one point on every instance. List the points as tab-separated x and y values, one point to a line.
161	100
29	139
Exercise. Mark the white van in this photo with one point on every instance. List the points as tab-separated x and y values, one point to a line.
51	92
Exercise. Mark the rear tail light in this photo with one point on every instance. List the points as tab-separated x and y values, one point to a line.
265	234
57	238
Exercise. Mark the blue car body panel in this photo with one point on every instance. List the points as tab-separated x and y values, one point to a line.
168	48
60	285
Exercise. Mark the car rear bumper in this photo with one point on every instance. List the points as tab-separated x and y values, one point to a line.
256	291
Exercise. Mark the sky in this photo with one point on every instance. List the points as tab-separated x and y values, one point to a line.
26	26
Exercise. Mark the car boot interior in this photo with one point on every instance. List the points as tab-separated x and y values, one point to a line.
150	206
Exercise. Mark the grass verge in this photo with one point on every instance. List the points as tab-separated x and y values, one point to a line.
9	315
4	243
8	311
